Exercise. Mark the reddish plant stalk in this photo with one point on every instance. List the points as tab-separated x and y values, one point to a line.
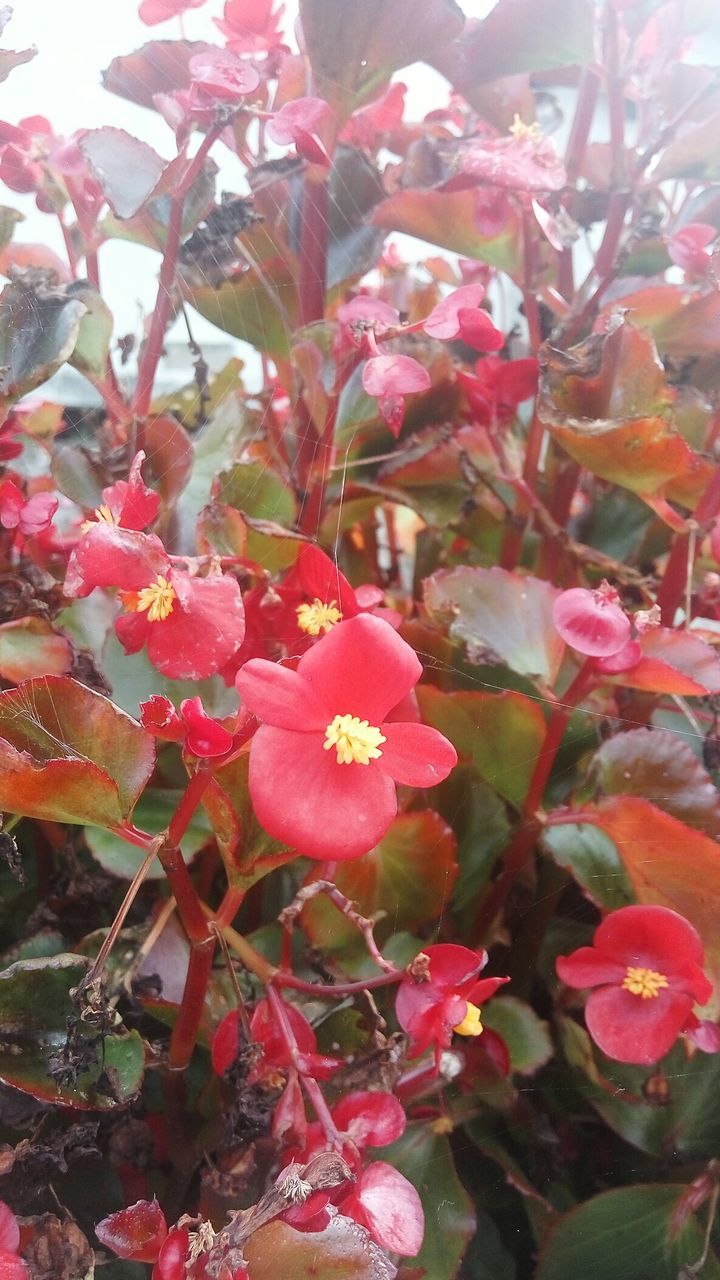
678	570
185	1032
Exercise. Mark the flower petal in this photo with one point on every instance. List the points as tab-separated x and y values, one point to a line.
302	796
203	631
280	697
416	755
588	967
391	1209
652	937
372	1119
111	557
630	1029
362	668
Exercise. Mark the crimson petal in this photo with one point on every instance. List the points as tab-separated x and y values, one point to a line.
630	1029
362	668
281	697
416	755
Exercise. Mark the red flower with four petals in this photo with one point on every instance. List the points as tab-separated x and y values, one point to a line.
440	994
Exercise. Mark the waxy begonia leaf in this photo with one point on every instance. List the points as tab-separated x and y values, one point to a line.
39	328
413	868
34	1009
456	221
673	662
90	353
498	614
160	66
426	1160
127	169
682	323
514	38
245	305
169	456
68	754
593	860
353	51
29	647
343	1251
500	733
526	1036
261	495
624	1234
659	766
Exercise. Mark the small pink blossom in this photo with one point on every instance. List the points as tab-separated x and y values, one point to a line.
221	76
592	621
461	316
297	123
390	378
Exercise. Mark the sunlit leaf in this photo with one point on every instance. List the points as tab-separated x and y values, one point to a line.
343	1251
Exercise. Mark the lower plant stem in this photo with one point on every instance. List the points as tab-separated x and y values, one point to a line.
678	569
185	1032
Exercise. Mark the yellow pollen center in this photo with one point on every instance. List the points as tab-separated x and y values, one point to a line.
357	741
316	617
103	515
532	132
471	1024
645	983
157	599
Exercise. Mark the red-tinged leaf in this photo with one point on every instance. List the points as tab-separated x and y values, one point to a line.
413	868
158	67
659	766
666	862
454	220
353	52
515	37
35	1007
68	754
501	734
29	647
500	616
644	455
682	323
259	306
675	662
127	169
223	531
343	1251
430	474
169	456
29	254
426	1160
137	1232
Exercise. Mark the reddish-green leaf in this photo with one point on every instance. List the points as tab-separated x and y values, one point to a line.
160	66
674	662
517	37
501	617
29	647
343	1251
68	754
453	220
662	768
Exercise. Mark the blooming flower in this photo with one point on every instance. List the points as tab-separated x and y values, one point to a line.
524	161
439	995
390	378
129	503
152	12
297	123
325	759
497	387
251	26
646	965
461	316
317	596
191	625
29	516
219	76
201	734
592	621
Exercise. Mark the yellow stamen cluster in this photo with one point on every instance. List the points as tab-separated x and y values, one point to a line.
103	515
316	617
357	741
645	983
157	600
471	1024
532	132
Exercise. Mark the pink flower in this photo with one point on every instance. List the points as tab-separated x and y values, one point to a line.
460	316
646	967
219	76
690	248
526	161
276	1055
592	621
390	378
370	124
29	516
497	387
439	996
151	12
297	124
129	503
201	734
251	26
325	759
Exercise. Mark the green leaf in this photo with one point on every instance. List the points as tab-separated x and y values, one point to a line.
90	353
526	1036
260	494
354	49
500	616
624	1234
343	1251
9	219
39	328
426	1160
152	813
68	754
593	860
517	37
453	220
659	766
29	647
34	1010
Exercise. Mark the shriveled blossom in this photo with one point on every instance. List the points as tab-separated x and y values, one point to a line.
592	621
440	994
327	755
129	503
461	316
646	967
251	26
191	625
391	378
381	1199
297	124
152	12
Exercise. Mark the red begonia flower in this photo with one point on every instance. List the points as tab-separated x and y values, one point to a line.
390	378
129	503
297	123
151	12
137	1232
325	760
317	596
9	1229
251	26
592	621
221	76
366	127
460	316
201	734
192	626
646	963
497	387
690	249
29	516
440	993
265	1032
526	161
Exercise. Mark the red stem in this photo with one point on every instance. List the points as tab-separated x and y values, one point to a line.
185	1031
330	989
674	581
313	248
194	793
